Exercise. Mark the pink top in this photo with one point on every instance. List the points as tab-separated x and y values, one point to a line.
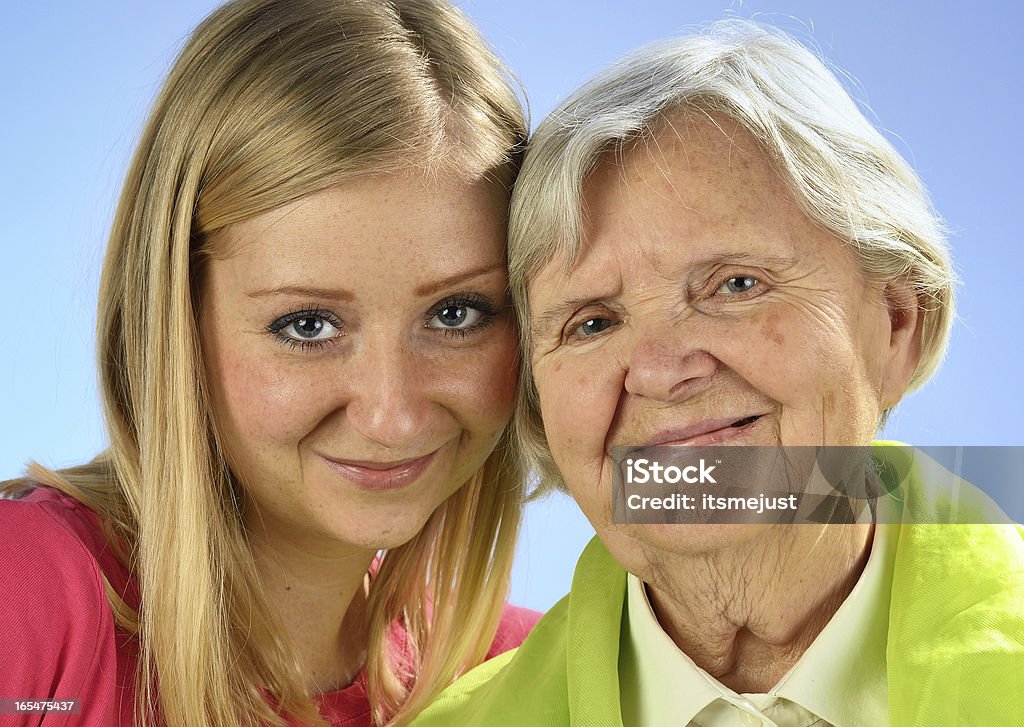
57	634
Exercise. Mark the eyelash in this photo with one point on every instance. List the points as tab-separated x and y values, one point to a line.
309	311
757	289
488	310
570	335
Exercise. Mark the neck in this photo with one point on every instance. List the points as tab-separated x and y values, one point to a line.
747	613
317	589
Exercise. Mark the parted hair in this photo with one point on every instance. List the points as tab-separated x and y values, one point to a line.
840	169
271	100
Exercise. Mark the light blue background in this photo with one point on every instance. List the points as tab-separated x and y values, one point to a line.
78	78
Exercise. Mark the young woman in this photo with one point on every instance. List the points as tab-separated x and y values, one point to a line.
307	511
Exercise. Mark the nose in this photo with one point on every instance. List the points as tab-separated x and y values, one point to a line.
389	400
668	369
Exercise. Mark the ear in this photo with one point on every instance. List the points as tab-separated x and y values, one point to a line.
906	321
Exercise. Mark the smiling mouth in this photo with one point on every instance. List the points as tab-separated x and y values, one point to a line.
381	476
707	432
744	422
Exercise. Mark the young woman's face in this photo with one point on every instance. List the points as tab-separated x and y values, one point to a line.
361	354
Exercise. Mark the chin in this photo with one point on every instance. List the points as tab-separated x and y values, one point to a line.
376	538
693	539
635	546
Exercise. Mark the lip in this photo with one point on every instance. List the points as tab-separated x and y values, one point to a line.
380	476
709	431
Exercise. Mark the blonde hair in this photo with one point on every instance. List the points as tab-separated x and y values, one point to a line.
271	100
840	169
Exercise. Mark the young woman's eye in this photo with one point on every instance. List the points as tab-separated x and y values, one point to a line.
737	284
306	328
462	315
455	316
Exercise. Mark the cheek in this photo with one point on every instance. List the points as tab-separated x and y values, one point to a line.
792	353
480	385
495	380
819	363
579	394
258	400
872	340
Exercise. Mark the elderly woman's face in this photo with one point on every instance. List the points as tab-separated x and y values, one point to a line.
361	354
706	308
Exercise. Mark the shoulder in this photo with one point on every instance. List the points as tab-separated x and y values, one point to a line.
495	693
50	505
54	613
516	623
576	643
956	620
49	542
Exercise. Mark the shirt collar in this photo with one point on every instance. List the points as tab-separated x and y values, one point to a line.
840	678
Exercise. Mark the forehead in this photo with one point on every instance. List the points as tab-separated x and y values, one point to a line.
695	175
697	185
404	228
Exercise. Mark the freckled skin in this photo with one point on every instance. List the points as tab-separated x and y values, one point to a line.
388	388
772	330
813	348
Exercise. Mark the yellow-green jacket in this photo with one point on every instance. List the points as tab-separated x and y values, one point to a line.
955	653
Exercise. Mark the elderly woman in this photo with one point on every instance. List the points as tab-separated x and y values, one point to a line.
710	244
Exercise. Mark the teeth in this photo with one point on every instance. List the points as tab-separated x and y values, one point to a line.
745	422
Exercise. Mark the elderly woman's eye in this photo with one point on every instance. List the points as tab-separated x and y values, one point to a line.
311	327
593	326
737	284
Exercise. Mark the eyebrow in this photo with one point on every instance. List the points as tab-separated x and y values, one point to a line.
437	286
558	312
305	291
746	257
345	295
